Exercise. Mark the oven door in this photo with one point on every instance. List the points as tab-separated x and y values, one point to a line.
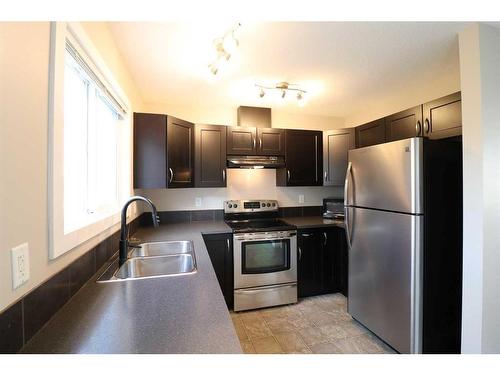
266	258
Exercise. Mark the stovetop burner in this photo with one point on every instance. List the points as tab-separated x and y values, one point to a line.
259	225
254	216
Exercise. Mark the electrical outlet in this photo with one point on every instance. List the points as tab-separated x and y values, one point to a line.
20	265
301	198
197	202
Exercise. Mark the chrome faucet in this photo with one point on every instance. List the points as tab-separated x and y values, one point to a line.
124	231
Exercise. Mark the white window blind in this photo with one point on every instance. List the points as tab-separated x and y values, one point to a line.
91	119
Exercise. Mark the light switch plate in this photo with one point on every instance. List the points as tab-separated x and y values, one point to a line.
301	198
197	202
20	265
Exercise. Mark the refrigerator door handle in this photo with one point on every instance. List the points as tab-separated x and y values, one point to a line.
347	229
346	184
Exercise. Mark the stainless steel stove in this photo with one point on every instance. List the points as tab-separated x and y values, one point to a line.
265	254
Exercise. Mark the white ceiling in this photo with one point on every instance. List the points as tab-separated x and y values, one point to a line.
341	64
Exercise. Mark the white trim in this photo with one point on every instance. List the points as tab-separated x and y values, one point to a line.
59	242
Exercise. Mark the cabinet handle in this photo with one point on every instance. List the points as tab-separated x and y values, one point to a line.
288	174
300	253
254	143
223	175
171	175
260	143
418	128
228	245
426	126
326	176
325	238
306	234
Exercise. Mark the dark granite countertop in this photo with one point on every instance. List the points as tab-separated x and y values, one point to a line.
303	222
180	314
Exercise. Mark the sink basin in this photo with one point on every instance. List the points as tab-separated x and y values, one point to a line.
153	259
162	248
136	268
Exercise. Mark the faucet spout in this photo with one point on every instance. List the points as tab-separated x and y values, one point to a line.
124	232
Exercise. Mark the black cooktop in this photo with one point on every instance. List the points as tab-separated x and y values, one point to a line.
259	225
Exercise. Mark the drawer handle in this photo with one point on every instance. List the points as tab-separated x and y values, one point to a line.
266	288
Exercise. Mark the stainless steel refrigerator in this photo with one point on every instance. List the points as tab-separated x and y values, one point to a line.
386	191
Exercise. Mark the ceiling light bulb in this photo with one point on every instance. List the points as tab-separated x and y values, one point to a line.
299	95
262	92
213	68
283	93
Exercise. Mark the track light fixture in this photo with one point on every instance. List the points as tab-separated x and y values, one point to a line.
284	88
224	46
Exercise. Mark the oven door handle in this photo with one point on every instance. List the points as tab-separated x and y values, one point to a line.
245	238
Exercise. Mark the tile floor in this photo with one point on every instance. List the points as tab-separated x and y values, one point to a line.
314	325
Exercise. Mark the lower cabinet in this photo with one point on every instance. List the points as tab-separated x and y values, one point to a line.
220	250
343	255
322	261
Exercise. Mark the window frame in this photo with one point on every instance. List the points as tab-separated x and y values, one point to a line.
60	242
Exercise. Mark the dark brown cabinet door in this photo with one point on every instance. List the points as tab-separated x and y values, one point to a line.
443	117
150	151
210	156
310	262
241	141
404	124
180	153
220	251
270	141
371	133
336	144
304	159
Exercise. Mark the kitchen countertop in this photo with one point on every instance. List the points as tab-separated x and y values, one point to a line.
179	314
304	222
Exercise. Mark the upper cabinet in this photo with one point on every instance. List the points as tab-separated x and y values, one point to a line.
404	124
270	141
150	151
336	144
371	133
255	141
163	152
440	118
443	117
241	140
210	156
180	150
304	159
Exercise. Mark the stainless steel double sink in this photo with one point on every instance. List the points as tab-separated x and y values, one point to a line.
153	259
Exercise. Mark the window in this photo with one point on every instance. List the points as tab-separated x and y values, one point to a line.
90	146
89	171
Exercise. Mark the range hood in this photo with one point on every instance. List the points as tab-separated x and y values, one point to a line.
255	162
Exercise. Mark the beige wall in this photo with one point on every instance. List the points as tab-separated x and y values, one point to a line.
480	78
227	116
241	184
24	67
406	95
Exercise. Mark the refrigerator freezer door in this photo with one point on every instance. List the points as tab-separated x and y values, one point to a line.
385	275
387	176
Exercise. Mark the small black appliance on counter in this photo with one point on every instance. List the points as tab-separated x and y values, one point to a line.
333	208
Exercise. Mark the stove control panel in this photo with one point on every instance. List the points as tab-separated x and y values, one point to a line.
236	206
